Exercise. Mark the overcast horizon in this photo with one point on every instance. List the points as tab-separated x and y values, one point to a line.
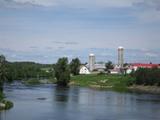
45	30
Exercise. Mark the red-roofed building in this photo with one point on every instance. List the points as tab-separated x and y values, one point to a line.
135	66
142	65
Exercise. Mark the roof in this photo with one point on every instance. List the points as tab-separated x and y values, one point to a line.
99	66
145	65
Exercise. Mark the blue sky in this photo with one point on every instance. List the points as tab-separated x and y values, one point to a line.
44	30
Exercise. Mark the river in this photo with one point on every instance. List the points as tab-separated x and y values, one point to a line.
47	102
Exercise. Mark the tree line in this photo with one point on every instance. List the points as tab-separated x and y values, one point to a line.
26	70
10	71
62	70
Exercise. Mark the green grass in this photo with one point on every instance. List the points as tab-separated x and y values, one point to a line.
114	82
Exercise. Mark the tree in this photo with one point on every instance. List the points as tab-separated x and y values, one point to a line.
75	66
2	71
62	72
109	65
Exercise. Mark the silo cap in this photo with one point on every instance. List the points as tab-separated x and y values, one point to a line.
120	47
91	54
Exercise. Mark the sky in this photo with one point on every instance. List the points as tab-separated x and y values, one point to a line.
45	30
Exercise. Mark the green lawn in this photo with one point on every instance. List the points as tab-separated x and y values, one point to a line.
114	82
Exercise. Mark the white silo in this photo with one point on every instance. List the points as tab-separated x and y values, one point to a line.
91	62
120	56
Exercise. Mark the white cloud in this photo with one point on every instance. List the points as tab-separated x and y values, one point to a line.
149	54
148	11
45	3
85	3
149	16
73	3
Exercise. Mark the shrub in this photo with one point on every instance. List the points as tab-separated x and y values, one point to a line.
147	76
8	104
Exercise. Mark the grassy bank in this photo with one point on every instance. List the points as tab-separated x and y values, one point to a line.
114	82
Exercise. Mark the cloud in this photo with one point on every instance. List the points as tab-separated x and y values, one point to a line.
83	3
149	16
71	43
152	4
149	54
71	3
149	11
131	55
33	47
65	43
46	3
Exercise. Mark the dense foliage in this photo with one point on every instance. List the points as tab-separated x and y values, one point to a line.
8	105
62	72
75	66
27	70
146	76
109	65
2	72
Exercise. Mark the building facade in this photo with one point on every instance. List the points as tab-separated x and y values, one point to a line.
84	70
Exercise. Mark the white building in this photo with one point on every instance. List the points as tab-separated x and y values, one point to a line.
92	62
120	56
84	70
100	67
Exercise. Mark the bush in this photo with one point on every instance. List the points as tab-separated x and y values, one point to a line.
146	76
8	104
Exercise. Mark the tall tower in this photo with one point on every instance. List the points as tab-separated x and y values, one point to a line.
91	62
120	56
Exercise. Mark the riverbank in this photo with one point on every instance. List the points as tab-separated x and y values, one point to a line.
145	89
114	82
118	83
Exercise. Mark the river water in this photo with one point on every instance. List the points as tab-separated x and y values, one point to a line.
47	102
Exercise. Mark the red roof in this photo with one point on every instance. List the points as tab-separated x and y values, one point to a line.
146	65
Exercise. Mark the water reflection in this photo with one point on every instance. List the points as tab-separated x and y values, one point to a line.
61	94
78	103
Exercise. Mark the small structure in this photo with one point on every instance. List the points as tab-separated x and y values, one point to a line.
84	70
114	71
